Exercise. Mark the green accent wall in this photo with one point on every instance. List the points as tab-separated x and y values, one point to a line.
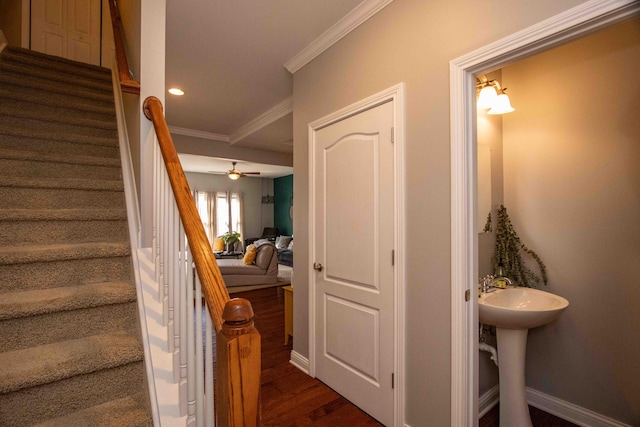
283	198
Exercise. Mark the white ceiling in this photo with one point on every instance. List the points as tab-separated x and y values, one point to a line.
229	57
213	165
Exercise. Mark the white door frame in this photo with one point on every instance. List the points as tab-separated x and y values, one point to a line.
394	94
571	24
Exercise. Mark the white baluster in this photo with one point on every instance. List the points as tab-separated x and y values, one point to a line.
172	270
191	356
165	249
178	302
208	370
154	203
184	320
199	355
161	196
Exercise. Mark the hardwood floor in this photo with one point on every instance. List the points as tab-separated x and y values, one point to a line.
289	396
292	398
538	419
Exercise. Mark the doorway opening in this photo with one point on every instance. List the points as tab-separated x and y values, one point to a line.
553	32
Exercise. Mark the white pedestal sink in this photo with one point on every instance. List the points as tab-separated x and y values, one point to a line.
513	311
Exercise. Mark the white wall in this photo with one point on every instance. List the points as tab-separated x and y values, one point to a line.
572	187
256	214
410	41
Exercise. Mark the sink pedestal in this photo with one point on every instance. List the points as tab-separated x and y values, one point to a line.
514	410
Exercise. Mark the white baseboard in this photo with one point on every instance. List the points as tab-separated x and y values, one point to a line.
552	405
570	412
488	400
299	362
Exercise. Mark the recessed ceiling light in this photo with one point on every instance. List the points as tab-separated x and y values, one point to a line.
176	91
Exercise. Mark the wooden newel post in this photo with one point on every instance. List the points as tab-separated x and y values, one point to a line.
238	371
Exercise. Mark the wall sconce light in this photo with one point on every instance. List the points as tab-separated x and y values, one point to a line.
491	96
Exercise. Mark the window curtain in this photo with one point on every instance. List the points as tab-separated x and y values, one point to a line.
240	223
211	213
206	205
221	212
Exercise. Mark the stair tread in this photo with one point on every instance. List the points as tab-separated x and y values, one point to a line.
40	156
18	109
68	183
61	252
35	302
126	411
53	362
63	214
17	67
58	90
31	58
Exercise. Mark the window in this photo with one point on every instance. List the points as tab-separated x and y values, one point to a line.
223	207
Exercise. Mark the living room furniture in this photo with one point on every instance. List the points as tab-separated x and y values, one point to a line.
264	270
228	255
288	313
285	250
270	233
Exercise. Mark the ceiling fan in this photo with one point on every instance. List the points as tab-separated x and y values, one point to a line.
235	174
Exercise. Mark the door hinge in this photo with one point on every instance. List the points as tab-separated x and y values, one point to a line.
467	295
393	257
393	380
393	135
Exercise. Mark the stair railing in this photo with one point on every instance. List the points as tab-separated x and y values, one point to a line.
188	273
126	82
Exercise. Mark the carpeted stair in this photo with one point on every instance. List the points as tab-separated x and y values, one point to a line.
70	348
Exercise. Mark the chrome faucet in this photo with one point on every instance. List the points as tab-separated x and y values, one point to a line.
506	279
487	284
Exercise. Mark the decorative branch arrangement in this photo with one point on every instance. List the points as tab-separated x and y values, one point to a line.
487	225
507	254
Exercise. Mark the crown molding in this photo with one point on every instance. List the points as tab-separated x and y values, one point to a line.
348	23
276	112
199	134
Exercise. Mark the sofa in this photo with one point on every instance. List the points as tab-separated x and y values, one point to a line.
262	271
284	244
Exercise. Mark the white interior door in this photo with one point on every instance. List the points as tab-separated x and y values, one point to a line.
67	28
353	250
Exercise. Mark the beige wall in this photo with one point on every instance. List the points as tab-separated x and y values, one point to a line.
410	41
572	186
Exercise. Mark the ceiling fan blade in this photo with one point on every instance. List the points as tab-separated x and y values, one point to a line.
250	173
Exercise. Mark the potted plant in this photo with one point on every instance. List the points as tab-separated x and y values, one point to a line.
230	238
507	254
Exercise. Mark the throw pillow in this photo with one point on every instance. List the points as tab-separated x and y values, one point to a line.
249	255
290	247
218	244
260	242
283	242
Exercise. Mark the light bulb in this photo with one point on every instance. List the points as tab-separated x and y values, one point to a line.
502	105
487	97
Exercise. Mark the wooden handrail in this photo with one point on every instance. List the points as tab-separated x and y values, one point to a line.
126	82
213	287
238	343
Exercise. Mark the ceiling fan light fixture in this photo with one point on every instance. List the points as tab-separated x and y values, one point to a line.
233	175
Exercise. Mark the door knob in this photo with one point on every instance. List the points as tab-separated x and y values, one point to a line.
317	266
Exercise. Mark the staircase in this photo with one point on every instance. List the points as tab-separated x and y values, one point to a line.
70	351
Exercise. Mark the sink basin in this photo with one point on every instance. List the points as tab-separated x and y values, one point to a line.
519	308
